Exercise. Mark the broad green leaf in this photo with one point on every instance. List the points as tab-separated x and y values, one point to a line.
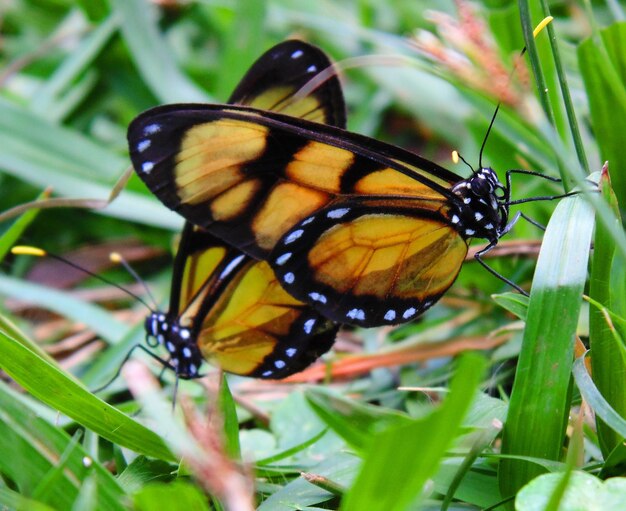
583	492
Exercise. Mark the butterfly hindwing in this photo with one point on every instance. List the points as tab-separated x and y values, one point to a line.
371	262
273	81
230	309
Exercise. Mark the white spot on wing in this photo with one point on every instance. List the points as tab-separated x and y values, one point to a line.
478	216
267	373
185	334
317	297
289	278
455	219
311	69
283	258
297	54
151	129
294	236
279	364
356	314
308	220
467	200
170	347
390	315
409	312
337	213
290	352
186	352
143	145
147	167
308	325
231	266
470	232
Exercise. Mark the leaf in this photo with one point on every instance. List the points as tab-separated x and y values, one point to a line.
539	404
55	388
583	491
400	459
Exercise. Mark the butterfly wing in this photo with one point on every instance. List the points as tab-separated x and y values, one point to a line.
372	262
249	176
239	315
273	81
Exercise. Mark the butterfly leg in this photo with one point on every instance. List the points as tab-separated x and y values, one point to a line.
163	362
478	258
480	253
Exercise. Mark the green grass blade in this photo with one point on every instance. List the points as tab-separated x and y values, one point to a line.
99	320
401	459
34	449
603	67
13	233
565	92
609	366
55	388
151	54
539	404
594	398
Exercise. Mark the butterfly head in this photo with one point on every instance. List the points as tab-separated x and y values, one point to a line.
482	211
179	341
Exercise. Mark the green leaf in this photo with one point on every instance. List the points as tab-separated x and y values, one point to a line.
152	55
401	459
176	496
596	401
43	461
607	289
583	491
603	68
55	388
539	404
353	421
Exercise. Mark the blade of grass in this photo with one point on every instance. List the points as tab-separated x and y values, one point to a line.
152	55
565	93
401	459
99	320
37	452
50	385
609	366
594	398
539	404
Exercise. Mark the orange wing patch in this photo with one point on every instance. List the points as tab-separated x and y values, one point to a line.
212	155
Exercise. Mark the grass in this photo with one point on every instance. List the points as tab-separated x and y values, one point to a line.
461	409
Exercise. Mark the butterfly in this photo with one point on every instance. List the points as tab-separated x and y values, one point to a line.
365	232
224	305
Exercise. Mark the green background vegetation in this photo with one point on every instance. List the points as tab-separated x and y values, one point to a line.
423	426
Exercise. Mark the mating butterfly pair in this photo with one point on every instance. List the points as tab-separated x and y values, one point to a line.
296	225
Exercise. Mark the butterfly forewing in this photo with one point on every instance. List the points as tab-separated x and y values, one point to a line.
250	176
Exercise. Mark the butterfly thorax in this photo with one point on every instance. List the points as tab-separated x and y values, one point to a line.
179	341
481	211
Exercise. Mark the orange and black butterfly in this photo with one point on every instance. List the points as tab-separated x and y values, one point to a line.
226	306
365	232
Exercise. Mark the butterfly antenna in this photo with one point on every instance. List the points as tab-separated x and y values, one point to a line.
542	24
456	157
38	252
116	257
